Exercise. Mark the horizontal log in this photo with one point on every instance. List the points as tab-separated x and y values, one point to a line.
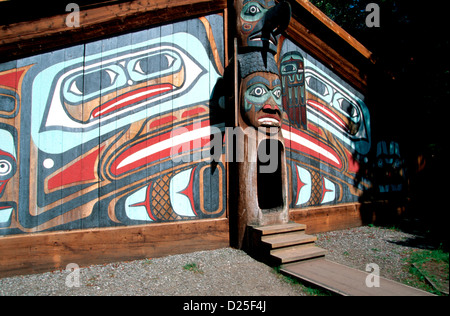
35	253
335	28
328	218
32	37
343	216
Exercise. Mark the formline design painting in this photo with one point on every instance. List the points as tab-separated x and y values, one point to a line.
115	132
131	129
329	150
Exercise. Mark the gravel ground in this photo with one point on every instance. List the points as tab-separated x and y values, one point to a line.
357	247
223	272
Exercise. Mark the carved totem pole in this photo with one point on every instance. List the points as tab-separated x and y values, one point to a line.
261	165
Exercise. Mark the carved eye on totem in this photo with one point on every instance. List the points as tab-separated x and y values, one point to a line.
288	69
277	93
252	12
397	164
258	92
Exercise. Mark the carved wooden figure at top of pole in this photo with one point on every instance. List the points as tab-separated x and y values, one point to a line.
259	23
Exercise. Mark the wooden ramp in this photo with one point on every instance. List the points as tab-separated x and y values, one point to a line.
344	280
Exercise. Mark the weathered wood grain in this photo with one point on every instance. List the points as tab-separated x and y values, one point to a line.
41	252
31	37
328	218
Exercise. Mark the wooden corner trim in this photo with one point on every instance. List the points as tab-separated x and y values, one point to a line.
333	26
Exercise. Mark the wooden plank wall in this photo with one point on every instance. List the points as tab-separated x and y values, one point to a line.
116	131
107	142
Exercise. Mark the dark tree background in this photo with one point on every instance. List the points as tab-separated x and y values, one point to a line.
412	94
412	47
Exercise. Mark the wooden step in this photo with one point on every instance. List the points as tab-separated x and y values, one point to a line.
287	239
297	253
278	229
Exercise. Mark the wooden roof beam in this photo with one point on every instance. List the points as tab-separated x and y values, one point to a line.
333	26
31	37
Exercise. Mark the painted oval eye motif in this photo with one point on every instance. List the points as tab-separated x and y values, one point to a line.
349	109
318	86
258	92
89	83
154	64
77	86
5	168
289	69
7	103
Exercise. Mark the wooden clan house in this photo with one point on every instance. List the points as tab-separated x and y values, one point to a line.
138	129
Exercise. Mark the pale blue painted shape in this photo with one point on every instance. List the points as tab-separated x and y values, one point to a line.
5	214
330	194
305	191
7	143
179	201
137	212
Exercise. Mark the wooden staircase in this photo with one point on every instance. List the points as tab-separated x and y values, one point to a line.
284	243
288	245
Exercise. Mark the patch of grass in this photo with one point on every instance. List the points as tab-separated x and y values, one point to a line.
309	290
193	267
147	261
429	270
393	227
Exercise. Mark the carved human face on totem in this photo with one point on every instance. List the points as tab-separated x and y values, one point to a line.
261	100
259	22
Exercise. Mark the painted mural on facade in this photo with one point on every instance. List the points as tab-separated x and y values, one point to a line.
389	169
326	130
120	131
114	132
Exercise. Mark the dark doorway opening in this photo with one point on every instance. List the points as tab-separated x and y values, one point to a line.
269	175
